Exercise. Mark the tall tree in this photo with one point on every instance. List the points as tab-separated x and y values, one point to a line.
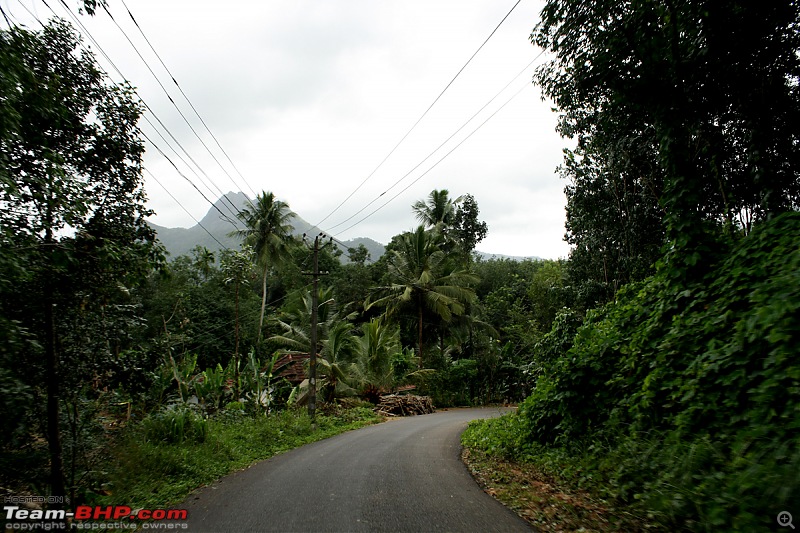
423	277
614	221
73	203
237	267
714	84
468	231
268	230
438	212
203	261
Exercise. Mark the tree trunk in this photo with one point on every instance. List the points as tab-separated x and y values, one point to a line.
236	346
263	302
420	334
53	430
57	487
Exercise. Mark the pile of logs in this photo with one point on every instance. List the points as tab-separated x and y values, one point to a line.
404	405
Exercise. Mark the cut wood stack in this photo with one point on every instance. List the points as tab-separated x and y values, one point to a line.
404	405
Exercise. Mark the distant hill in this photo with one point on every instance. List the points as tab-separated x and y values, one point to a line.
486	257
375	249
180	241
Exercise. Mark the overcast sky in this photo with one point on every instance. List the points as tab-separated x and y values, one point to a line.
307	98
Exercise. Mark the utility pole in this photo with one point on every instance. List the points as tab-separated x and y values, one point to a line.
312	360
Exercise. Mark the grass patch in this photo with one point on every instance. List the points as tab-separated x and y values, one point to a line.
544	502
148	473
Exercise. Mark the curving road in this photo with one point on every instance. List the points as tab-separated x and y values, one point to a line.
402	475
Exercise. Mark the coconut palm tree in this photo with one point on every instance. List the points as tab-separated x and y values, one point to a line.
423	277
335	334
438	212
268	230
203	261
378	344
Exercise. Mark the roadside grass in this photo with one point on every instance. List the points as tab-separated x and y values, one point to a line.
148	473
544	502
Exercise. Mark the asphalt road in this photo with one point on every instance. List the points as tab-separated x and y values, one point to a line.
402	475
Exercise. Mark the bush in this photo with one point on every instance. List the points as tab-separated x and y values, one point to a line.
175	424
683	397
146	473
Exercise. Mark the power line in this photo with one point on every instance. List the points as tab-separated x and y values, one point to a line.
437	163
147	106
148	139
5	17
234	211
224	216
187	98
420	118
119	72
169	97
440	146
184	208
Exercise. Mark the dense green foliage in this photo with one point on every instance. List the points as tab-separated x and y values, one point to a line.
73	239
684	398
678	393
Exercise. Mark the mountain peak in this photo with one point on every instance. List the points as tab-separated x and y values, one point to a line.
219	222
229	203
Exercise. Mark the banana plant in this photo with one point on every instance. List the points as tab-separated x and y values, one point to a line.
210	387
258	381
183	374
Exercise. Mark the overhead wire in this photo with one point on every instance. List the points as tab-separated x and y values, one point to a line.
5	17
158	148
233	211
191	105
330	228
335	209
175	105
439	161
181	174
184	208
148	108
119	72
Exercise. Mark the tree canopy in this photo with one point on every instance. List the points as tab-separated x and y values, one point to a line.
708	89
73	214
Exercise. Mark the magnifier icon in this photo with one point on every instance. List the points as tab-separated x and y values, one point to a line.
785	519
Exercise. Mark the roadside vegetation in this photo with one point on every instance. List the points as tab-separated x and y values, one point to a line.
159	462
675	394
655	369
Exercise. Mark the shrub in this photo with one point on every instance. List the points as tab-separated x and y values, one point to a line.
175	424
684	397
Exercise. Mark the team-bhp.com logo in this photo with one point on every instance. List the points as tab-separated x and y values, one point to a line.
87	517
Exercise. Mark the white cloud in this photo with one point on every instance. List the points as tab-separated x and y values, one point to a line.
309	97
